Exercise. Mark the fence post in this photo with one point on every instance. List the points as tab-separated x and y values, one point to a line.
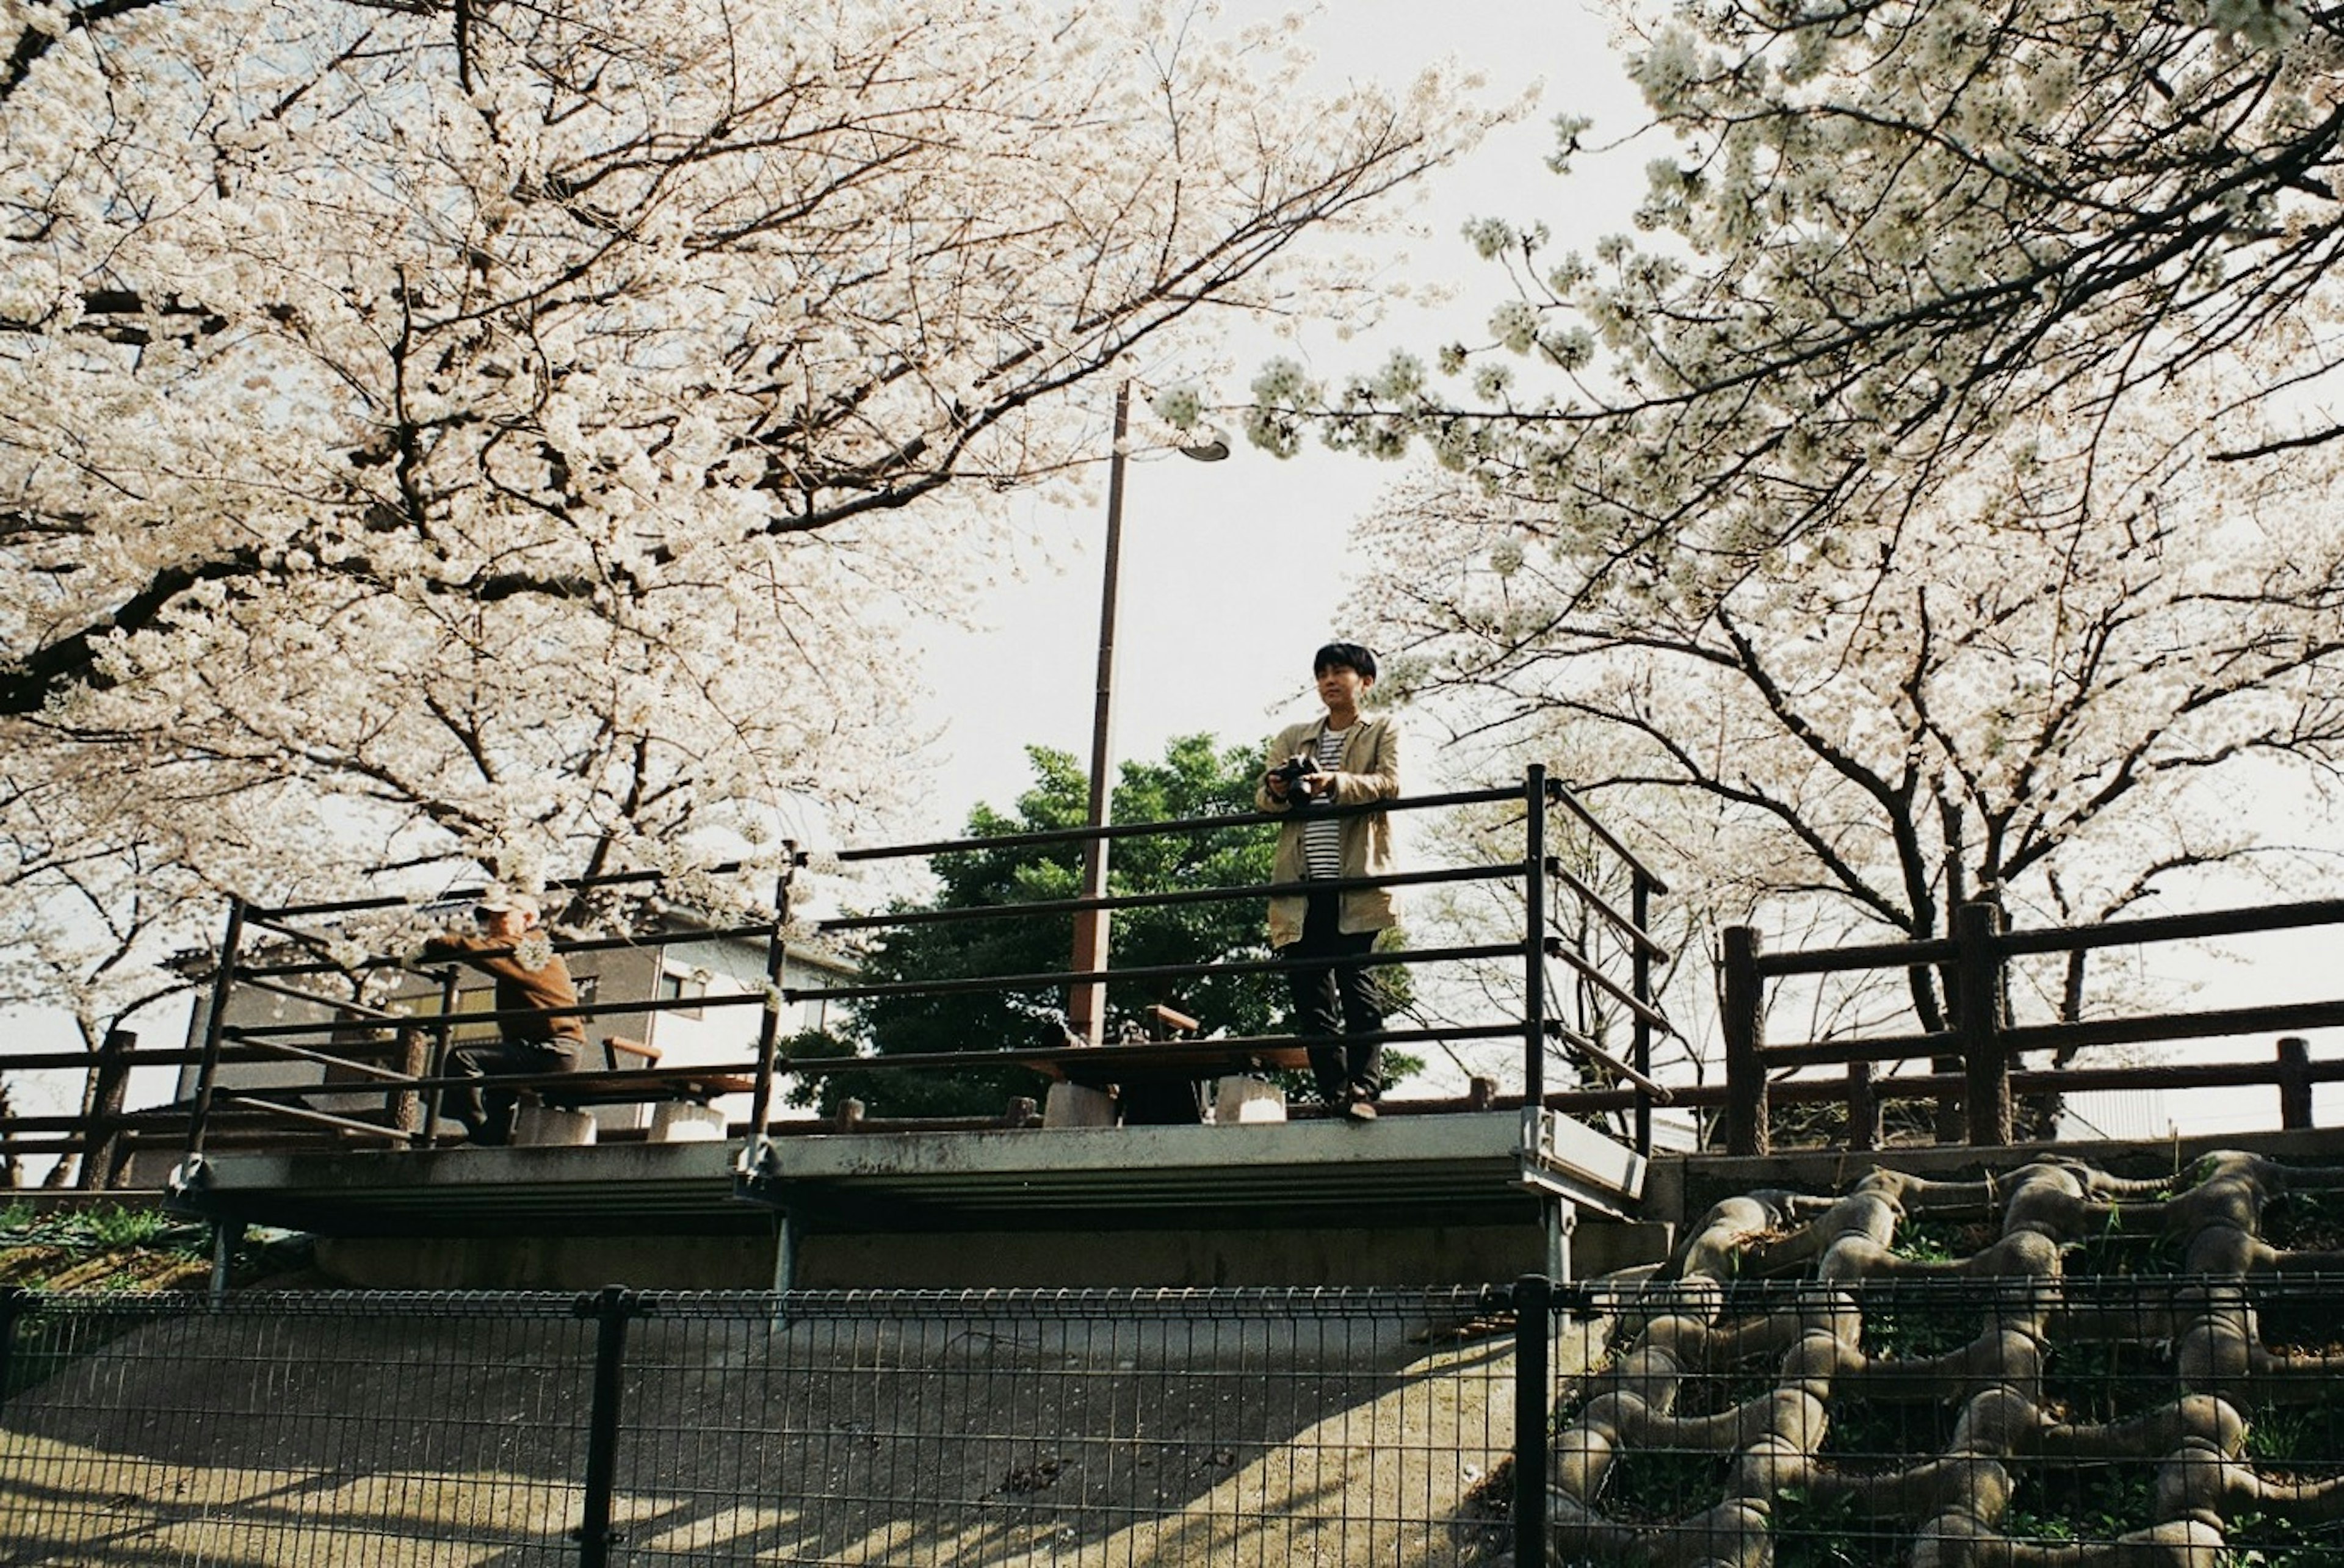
1746	1130
1533	1332
610	1309
1534	875
102	1137
2295	1084
15	1301
1863	1108
1977	1023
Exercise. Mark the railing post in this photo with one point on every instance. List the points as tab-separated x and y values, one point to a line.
207	1069
610	1309
1746	1128
1533	1333
769	1022
1977	1023
1534	938
436	1066
1640	910
2294	1073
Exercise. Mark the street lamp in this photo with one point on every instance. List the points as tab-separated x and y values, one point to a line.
1087	1004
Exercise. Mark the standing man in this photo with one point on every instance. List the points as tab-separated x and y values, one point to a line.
531	977
1340	759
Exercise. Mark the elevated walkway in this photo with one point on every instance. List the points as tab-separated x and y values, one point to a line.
1154	1205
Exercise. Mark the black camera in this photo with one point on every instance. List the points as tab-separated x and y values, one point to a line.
1295	771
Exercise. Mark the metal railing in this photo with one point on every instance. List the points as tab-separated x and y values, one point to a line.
352	1070
1537	947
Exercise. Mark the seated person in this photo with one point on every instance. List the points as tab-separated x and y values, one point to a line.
510	945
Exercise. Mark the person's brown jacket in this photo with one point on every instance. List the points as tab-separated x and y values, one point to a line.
1368	770
542	988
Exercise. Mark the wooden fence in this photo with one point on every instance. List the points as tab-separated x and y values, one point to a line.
1977	1067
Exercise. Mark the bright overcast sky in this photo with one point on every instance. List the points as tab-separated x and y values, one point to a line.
1232	571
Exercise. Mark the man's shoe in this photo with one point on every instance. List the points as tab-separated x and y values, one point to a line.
1361	1108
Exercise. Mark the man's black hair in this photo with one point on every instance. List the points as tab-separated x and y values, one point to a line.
1351	654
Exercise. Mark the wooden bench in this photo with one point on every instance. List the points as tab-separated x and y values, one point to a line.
642	1085
650	1084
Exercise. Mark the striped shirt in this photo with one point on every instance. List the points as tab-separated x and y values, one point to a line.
1322	836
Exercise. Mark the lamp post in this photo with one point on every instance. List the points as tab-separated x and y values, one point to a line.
1087	1003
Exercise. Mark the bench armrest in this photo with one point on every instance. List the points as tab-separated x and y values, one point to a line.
614	1046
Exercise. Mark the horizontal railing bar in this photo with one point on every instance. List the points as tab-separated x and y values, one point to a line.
422	1021
2233	922
1588	1048
2218	1024
361	1008
1872	956
2215	1024
1556	947
382	1075
2172	1076
158	1057
1053	978
2068	1080
434	965
319	1117
1183	895
580	1077
1234	1045
1634	932
1560	793
1167	829
1877	1048
456	896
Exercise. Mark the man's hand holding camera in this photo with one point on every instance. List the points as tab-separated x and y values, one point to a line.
1298	781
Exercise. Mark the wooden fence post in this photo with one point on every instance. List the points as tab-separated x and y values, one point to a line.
1863	1108
2295	1084
102	1149
1977	1023
1746	1130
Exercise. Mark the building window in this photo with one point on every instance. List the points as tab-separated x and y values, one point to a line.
677	987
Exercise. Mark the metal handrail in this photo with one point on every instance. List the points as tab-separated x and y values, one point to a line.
1539	1030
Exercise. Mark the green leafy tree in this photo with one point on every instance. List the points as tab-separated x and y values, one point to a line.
1199	777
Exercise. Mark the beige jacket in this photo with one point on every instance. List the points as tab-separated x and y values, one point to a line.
1369	770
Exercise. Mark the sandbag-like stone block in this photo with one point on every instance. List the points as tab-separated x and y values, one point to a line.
545	1124
681	1121
1243	1100
1072	1105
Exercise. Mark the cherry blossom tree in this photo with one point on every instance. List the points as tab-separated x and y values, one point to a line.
1928	501
1885	234
2041	684
469	435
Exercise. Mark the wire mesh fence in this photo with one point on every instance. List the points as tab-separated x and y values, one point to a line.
2024	1422
909	1428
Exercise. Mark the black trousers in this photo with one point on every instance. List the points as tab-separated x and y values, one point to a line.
486	1111
1336	998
